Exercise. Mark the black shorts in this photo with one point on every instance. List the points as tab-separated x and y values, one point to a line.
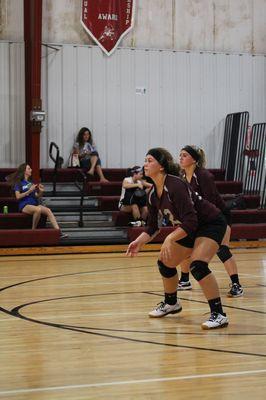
186	242
214	229
129	200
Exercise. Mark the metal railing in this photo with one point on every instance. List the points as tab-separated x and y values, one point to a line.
55	159
255	161
82	188
235	131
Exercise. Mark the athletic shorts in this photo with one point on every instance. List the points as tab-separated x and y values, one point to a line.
186	242
214	229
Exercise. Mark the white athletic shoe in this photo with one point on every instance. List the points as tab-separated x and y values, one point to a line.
235	291
163	309
216	320
184	285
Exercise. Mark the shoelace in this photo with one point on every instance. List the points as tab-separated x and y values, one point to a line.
213	316
161	305
234	285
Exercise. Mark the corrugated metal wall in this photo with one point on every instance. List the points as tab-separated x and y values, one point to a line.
12	104
142	98
132	101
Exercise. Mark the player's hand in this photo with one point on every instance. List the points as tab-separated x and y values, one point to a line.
41	187
133	249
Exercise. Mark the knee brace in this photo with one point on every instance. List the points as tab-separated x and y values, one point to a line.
224	253
165	271
199	269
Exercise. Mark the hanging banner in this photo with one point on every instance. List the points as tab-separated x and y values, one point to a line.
107	21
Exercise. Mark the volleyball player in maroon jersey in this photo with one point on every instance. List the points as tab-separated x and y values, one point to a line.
200	228
192	162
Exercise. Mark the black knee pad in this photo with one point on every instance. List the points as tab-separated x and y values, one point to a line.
199	269
165	271
224	253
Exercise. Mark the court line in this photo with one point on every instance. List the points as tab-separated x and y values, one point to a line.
155	293
132	382
86	330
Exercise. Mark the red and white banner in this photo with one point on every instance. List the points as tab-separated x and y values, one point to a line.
107	21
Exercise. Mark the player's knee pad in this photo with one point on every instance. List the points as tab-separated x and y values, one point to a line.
199	269
224	253
165	271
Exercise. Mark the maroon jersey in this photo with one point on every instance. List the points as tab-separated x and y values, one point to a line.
202	182
178	205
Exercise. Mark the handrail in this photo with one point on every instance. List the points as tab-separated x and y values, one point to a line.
56	163
255	175
82	193
82	188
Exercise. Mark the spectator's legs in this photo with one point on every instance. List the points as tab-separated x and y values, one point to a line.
93	161
134	209
35	211
46	211
100	173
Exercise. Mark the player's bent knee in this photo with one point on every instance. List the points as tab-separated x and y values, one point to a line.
199	269
224	253
165	271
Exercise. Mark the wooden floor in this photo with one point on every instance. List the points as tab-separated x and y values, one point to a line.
75	326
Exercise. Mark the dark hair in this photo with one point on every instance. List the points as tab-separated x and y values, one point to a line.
135	170
18	175
80	136
197	154
165	158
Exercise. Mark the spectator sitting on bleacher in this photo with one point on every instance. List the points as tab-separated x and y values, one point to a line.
87	153
133	196
28	194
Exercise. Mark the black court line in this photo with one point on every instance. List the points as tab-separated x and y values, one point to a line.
205	302
15	312
69	274
90	332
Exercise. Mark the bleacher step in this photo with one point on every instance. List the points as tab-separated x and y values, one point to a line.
86	224
70	204
87	216
95	235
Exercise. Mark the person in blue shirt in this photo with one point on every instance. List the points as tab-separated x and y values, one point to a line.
28	194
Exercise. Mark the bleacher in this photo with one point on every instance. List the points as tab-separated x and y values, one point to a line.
102	222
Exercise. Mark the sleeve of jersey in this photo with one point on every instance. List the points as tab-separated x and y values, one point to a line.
152	228
185	209
208	187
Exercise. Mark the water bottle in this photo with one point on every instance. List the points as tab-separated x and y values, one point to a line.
5	210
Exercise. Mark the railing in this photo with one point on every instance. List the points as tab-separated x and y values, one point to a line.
55	159
255	159
236	126
82	188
